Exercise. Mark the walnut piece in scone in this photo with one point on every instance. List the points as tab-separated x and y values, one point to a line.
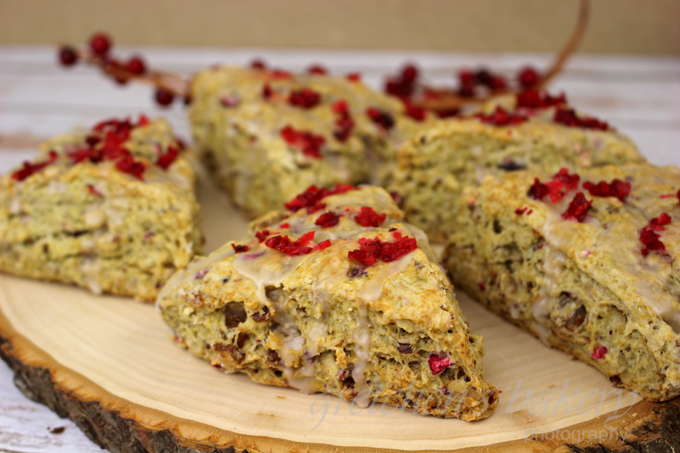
586	262
111	209
337	296
532	130
267	135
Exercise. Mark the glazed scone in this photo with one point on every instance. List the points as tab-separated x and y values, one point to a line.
338	296
538	132
586	264
111	209
268	135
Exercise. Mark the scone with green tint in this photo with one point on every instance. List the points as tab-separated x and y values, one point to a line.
530	131
267	135
111	209
586	262
337	295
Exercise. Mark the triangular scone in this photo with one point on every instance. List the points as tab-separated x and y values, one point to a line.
588	264
338	296
532	130
111	209
267	135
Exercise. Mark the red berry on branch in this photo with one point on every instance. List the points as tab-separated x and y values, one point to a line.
164	97
68	56
100	43
466	77
317	69
409	73
528	77
136	66
258	64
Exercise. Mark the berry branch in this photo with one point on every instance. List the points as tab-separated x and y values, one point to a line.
474	87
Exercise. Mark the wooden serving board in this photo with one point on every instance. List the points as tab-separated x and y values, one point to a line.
109	364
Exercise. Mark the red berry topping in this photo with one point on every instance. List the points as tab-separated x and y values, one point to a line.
354	77
291	248
308	143
569	118
413	111
372	250
617	188
410	73
599	352
438	363
166	159
323	245
344	124
578	208
650	239
501	117
528	77
130	166
262	235
367	217
239	248
521	211
100	44
93	191
560	185
267	91
327	220
498	83
68	56
136	65
382	119
317	69
305	98
280	74
538	99
466	77
29	168
466	91
143	121
164	97
313	196
258	64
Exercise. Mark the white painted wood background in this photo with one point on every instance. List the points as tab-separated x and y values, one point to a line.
38	99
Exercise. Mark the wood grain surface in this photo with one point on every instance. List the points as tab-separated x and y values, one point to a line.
640	96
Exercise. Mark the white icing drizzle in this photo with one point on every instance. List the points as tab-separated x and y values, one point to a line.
264	271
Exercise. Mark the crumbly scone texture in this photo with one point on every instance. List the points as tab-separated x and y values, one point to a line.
238	114
102	210
437	163
599	289
390	332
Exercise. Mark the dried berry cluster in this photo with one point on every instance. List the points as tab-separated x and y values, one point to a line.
649	236
311	198
301	246
501	117
617	189
106	142
308	143
372	250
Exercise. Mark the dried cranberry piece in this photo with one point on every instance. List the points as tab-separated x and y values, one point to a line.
267	91
578	208
354	77
30	168
569	118
367	217
262	235
136	65
651	241
291	248
561	184
414	111
163	97
344	122
305	98
599	353
130	166
239	248
313	196
501	117
327	220
323	245
617	188
438	363
372	250
382	119
258	64
165	160
308	143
